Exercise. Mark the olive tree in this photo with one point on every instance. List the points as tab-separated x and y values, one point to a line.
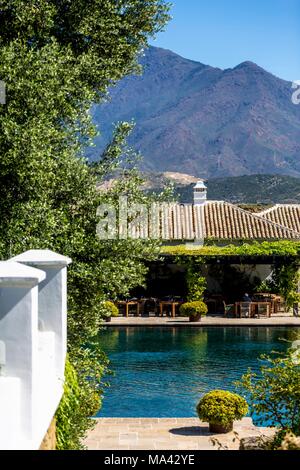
58	58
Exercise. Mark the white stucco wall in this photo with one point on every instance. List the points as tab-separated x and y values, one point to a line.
33	316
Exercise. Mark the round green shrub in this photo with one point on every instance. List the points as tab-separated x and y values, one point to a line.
221	407
109	309
192	309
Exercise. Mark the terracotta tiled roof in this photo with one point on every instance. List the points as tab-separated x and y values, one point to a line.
218	219
284	214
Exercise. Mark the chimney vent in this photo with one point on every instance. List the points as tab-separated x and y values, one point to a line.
200	193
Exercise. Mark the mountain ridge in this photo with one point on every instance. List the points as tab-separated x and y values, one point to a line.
202	120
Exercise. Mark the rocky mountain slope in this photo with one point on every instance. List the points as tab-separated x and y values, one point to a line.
204	121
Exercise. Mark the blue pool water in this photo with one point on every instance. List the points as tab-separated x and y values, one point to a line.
162	372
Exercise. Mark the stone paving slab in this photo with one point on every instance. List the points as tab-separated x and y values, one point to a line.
276	320
165	434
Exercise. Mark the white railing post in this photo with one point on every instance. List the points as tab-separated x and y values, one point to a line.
52	298
19	346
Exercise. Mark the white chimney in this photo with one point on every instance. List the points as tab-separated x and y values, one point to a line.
200	193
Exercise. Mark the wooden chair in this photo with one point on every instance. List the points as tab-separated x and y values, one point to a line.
245	310
262	310
228	308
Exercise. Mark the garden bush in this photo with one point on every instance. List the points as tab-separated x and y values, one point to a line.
72	416
221	407
274	392
192	309
290	442
109	310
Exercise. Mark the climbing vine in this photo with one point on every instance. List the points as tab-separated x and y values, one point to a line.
285	262
284	281
277	248
196	283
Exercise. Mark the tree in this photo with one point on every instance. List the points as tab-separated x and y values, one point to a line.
274	393
284	280
57	58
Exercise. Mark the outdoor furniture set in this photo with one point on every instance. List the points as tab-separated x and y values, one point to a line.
261	305
146	306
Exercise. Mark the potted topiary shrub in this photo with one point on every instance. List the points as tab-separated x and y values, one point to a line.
220	408
194	310
109	310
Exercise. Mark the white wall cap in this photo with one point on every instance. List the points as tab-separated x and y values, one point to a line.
43	258
12	273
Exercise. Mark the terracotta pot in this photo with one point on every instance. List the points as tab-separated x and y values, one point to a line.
220	428
195	318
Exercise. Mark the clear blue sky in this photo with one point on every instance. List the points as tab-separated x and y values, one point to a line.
224	33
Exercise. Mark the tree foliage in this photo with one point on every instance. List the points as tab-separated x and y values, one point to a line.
57	58
196	283
284	280
280	248
274	393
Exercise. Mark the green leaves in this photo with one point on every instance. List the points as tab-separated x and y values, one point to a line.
274	394
196	284
193	309
57	58
279	248
221	407
109	310
285	278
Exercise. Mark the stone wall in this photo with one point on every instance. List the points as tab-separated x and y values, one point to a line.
49	441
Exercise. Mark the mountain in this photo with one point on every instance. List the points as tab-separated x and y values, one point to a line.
204	121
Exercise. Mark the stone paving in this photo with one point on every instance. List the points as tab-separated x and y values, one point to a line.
166	434
276	320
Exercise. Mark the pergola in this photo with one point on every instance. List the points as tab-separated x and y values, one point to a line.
226	268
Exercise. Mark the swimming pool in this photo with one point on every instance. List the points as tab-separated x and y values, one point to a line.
162	372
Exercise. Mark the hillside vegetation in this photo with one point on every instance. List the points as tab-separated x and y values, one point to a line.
246	190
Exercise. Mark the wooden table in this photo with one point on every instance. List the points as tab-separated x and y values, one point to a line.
172	304
128	304
275	300
253	308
